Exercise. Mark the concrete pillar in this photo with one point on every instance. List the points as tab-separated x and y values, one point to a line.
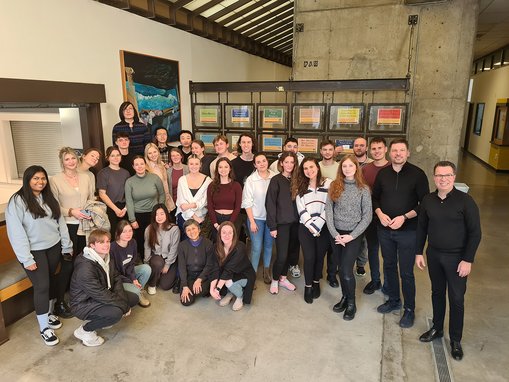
356	39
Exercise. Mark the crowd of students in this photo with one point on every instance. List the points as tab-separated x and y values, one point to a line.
177	218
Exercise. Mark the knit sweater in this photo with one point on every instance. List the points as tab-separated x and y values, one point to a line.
253	195
142	193
311	207
167	247
184	196
351	212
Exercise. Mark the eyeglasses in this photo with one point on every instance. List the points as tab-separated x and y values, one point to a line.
444	176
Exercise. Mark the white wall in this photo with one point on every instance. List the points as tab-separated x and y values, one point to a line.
80	40
488	87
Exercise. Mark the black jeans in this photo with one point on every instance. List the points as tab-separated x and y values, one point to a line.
167	280
287	249
205	286
373	247
313	250
114	219
143	220
43	278
108	315
63	279
442	268
346	257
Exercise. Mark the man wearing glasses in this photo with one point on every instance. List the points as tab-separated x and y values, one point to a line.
450	220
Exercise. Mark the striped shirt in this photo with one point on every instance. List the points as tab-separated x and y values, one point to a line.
311	207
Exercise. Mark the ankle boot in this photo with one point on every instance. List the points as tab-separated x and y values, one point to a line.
316	289
308	294
340	306
350	311
267	277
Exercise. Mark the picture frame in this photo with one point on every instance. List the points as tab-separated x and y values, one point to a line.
346	117
308	117
479	114
308	145
207	115
271	143
207	138
272	116
152	85
387	118
239	116
344	141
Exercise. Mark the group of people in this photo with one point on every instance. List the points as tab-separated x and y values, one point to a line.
177	218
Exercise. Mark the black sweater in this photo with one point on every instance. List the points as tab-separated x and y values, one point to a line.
452	225
280	207
397	193
195	259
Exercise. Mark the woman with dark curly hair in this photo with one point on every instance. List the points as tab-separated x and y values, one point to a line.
310	193
38	235
224	197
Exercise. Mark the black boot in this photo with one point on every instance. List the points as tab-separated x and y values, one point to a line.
316	289
176	286
308	294
350	310
62	310
340	306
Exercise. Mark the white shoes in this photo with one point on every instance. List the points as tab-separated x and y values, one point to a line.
88	338
295	271
151	290
144	301
226	299
237	305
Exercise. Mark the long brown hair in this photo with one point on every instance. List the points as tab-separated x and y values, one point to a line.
220	252
217	178
338	186
300	183
154	226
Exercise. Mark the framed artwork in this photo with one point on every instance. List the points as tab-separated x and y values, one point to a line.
345	142
273	116
479	113
233	138
308	116
346	117
239	116
207	115
151	84
308	145
208	139
387	117
272	143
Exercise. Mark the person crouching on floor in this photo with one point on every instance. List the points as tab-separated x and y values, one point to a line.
97	293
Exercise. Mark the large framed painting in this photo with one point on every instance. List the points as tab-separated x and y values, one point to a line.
152	85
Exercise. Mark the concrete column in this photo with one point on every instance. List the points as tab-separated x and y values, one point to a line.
355	39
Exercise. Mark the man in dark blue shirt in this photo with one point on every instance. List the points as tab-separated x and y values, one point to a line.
397	192
450	220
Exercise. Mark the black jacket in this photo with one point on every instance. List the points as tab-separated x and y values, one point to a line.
200	259
280	207
89	288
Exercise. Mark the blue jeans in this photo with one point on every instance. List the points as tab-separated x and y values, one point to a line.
142	273
399	247
237	287
258	239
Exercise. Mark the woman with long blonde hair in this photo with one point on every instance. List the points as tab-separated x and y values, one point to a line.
348	213
156	166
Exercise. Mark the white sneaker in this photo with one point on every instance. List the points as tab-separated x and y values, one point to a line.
49	337
226	299
238	304
88	338
295	271
54	322
151	290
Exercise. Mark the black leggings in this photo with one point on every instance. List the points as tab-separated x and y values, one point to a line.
167	280
287	249
108	315
313	249
346	257
114	219
43	278
67	263
143	220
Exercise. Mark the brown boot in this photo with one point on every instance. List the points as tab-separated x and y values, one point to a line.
144	301
267	277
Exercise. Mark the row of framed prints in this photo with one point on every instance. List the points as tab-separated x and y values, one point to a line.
390	117
273	143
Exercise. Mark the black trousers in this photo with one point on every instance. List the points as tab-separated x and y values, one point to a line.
63	279
346	257
442	268
167	280
225	218
205	288
43	278
287	249
313	250
108	315
143	220
114	219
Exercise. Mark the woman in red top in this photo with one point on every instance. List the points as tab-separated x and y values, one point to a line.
224	197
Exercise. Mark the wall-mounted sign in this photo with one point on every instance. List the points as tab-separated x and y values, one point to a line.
388	116
208	115
240	115
308	145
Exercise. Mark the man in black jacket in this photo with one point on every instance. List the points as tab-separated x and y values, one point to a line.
450	220
397	192
97	293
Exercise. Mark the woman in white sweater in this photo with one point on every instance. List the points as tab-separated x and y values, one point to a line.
192	197
310	194
253	200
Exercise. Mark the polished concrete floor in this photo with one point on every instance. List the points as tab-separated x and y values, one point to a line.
281	338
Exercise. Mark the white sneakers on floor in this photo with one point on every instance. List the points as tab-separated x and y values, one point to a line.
88	338
226	299
295	271
151	290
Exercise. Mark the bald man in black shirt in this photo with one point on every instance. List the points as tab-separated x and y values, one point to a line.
450	220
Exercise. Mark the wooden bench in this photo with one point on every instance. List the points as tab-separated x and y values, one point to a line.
13	279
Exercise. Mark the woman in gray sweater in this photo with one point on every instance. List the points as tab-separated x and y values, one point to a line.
348	213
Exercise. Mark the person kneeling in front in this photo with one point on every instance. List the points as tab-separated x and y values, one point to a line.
97	293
